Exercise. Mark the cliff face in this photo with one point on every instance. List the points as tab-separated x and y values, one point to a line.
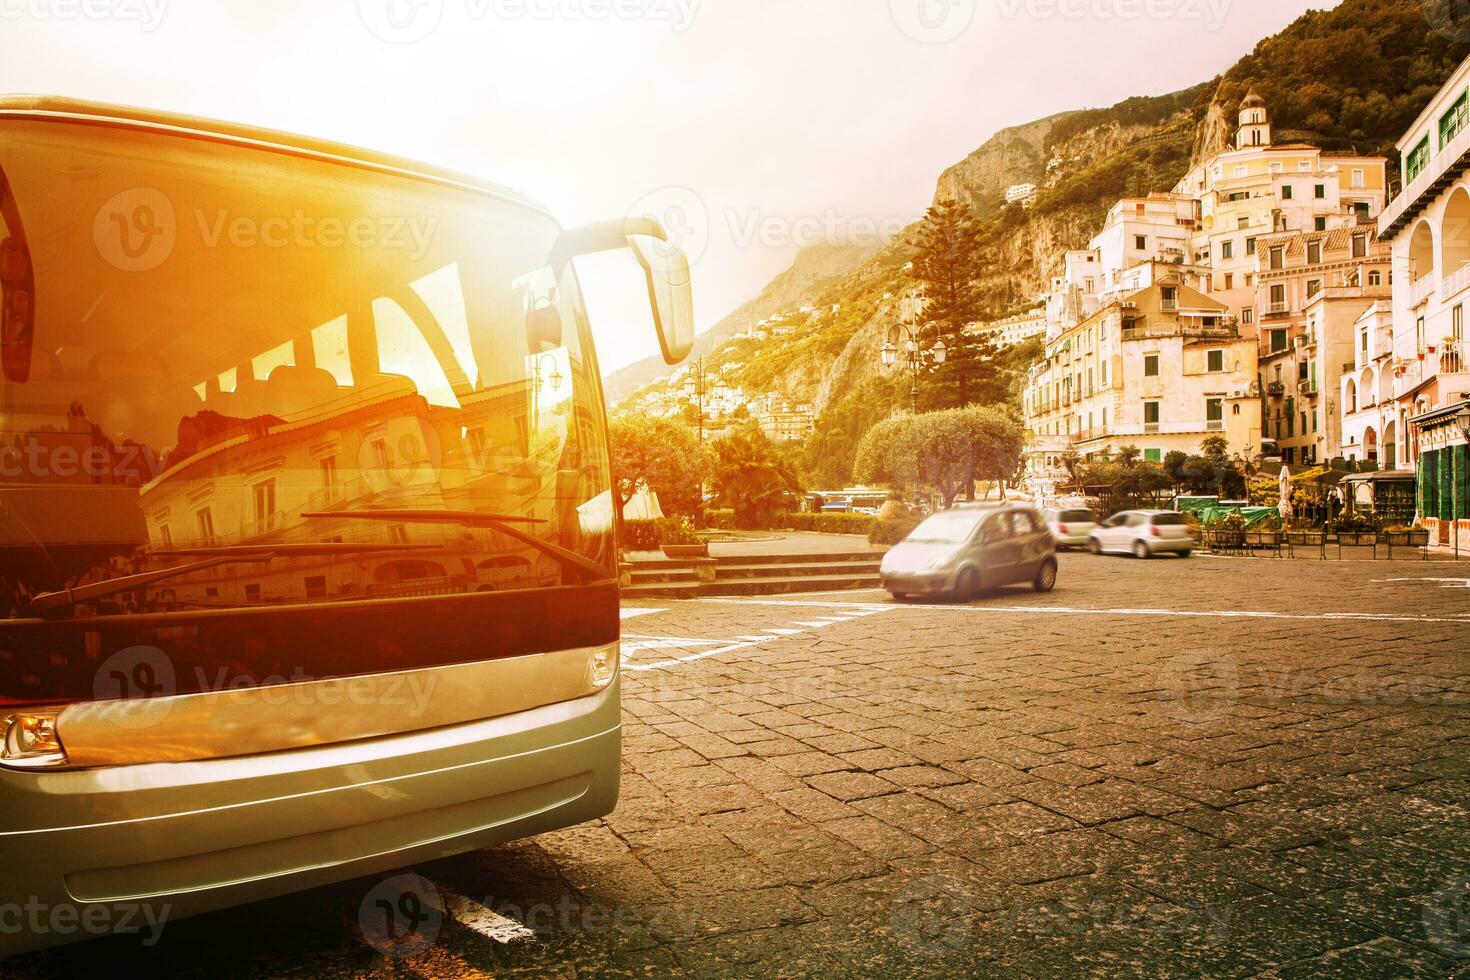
1012	156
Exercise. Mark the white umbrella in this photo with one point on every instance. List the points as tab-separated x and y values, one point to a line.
1286	508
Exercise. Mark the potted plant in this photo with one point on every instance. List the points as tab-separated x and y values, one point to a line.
1266	534
1302	535
1228	533
677	539
1403	536
1356	531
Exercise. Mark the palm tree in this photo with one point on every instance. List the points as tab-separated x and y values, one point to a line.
751	476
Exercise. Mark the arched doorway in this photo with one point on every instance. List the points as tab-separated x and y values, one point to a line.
1454	233
1390	447
1370	445
1421	252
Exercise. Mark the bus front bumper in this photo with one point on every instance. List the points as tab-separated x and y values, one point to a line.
95	851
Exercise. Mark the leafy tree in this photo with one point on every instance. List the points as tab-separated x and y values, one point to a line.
997	439
945	452
948	265
660	454
829	452
751	477
1129	456
1126	486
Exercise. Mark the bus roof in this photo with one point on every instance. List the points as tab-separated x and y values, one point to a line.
195	127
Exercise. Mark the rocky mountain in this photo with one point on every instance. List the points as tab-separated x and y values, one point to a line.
815	270
1017	155
1352	77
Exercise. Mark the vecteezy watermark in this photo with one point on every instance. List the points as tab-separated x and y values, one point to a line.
933	21
138	230
143	680
1210	13
691	226
411	21
147	14
401	916
1449	18
39	918
1447	918
1200	687
929	912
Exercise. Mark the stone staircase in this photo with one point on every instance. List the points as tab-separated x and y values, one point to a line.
748	575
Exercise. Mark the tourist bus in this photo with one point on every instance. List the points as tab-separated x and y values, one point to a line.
307	559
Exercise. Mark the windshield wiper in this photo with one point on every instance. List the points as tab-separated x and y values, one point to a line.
496	522
214	557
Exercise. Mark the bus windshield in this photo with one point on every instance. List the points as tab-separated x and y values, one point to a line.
258	383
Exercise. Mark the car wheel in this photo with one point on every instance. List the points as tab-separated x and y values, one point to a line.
1185	554
1141	552
1094	546
1046	579
967	586
900	596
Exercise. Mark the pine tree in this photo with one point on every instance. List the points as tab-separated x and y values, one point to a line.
947	267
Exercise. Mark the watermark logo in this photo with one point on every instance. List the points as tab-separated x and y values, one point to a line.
39	918
136	231
927	912
1447	918
1212	14
401	21
685	218
402	916
1449	18
403	452
933	21
147	14
1199	687
141	677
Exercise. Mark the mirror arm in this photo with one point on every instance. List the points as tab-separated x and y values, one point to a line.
604	236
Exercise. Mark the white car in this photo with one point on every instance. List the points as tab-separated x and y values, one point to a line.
1071	526
1143	534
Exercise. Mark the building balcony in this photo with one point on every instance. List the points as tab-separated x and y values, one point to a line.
1276	311
1215	425
1276	389
1423	288
1441	172
1456	283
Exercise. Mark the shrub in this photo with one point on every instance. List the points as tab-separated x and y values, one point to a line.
828	523
894	531
720	520
653	535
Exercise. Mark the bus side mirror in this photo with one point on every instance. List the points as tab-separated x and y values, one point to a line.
665	266
670	294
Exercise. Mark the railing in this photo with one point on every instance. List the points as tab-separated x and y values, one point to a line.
1278	309
1456	282
1152	428
1215	425
1276	389
1423	182
1451	358
1422	289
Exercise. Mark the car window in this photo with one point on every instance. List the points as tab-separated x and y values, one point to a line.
1078	517
1116	521
1137	520
997	528
1025	522
1169	520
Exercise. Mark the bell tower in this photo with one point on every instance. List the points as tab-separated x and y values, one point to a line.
1255	123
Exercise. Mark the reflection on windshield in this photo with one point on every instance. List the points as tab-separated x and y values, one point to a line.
946	529
216	392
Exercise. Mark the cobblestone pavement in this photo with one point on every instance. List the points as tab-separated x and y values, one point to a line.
1223	767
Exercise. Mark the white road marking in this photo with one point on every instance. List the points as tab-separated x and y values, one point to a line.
1447	583
786	632
1185	613
492	925
635	613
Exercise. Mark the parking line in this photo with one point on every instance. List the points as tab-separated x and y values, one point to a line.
492	925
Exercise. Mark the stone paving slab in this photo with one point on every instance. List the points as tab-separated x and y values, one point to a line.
1210	767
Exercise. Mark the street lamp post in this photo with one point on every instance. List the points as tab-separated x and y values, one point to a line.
695	389
904	342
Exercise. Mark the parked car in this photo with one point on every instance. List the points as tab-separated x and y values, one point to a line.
1143	534
838	507
1072	527
866	511
963	551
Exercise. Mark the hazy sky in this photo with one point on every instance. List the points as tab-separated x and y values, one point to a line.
770	123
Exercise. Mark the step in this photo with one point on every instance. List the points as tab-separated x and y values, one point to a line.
663	575
666	590
801	559
786	586
815	570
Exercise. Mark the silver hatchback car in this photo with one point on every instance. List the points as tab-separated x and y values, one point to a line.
963	551
1143	534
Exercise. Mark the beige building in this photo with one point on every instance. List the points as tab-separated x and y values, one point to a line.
1012	330
1260	188
1161	369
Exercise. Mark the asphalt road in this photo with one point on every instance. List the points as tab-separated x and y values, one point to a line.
1230	767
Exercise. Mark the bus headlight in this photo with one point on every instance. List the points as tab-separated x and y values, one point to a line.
602	666
31	740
